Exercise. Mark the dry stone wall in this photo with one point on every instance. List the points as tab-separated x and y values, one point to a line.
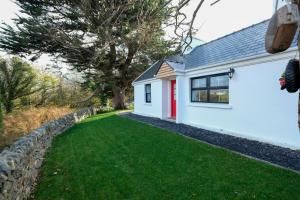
20	163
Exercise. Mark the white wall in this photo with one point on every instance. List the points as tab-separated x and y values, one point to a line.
180	98
166	108
258	109
153	109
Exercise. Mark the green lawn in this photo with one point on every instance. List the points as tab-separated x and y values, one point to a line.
110	157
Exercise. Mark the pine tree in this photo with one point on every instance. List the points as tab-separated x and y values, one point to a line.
111	42
17	79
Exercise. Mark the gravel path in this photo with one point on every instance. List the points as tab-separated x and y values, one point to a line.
273	154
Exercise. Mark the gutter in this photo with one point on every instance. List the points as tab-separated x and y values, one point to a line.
144	81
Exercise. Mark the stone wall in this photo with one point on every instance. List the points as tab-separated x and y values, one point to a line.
20	163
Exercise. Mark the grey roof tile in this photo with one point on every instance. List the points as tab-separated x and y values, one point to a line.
245	43
150	72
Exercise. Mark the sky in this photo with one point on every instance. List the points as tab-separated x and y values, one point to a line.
229	16
212	22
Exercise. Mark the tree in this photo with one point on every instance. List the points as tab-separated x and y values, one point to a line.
17	79
1	119
111	42
47	85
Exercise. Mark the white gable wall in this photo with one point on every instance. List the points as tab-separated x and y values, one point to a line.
258	109
153	109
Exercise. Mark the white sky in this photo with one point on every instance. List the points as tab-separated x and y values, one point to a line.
228	16
213	22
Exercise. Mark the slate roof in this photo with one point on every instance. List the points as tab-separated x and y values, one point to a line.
150	72
245	43
176	66
175	59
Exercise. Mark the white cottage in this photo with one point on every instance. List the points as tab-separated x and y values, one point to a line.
229	85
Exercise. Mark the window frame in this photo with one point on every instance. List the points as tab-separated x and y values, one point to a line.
208	88
146	93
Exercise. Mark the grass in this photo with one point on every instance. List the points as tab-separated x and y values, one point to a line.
109	157
21	122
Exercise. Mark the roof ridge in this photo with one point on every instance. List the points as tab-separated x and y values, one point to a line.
222	37
169	58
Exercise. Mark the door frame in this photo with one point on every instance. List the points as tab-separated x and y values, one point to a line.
173	101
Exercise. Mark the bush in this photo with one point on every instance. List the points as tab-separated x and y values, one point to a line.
131	106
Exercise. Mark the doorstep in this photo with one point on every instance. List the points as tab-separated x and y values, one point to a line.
170	120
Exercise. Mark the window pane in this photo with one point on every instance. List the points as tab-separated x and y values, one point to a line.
219	81
148	97
199	95
148	88
199	83
219	96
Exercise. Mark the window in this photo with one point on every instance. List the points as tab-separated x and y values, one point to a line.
148	93
210	89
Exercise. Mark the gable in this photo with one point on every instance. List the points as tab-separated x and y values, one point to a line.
165	71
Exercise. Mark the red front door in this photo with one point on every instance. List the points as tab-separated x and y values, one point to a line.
173	98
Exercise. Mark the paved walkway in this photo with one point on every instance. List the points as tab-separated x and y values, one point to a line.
273	154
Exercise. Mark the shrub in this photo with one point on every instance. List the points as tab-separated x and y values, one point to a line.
131	106
21	123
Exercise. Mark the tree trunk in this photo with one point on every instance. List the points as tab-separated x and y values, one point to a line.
8	106
61	96
1	119
119	98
